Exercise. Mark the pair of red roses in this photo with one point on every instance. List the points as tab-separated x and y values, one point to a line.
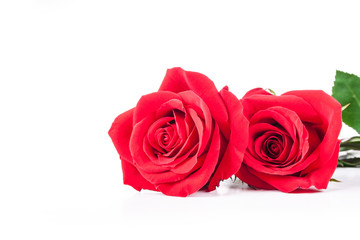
189	136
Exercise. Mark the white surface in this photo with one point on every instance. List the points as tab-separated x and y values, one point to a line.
68	68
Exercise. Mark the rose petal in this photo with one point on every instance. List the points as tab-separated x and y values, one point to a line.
292	125
199	178
159	123
244	175
318	178
133	178
149	151
330	112
120	133
256	91
190	99
140	159
199	125
286	118
233	156
168	107
181	125
314	138
190	142
150	103
259	129
303	109
174	137
188	166
286	183
321	176
177	80
172	163
162	177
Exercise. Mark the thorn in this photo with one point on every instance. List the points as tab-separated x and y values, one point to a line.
344	107
270	90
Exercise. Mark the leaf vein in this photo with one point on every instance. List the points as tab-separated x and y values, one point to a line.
353	94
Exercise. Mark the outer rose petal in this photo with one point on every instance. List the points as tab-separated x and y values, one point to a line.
257	102
323	103
120	133
234	154
177	80
282	183
251	179
330	112
198	179
133	178
256	91
320	177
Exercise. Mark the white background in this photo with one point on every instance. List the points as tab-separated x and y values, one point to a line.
68	68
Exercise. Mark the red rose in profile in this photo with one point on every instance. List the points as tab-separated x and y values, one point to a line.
293	139
183	138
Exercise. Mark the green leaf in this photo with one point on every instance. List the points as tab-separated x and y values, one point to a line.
334	180
350	144
346	90
349	162
340	163
355	139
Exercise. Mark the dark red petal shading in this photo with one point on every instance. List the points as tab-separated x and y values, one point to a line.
239	125
290	121
177	80
120	133
318	178
133	178
258	130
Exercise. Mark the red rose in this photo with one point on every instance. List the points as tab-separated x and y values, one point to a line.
293	139
183	138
